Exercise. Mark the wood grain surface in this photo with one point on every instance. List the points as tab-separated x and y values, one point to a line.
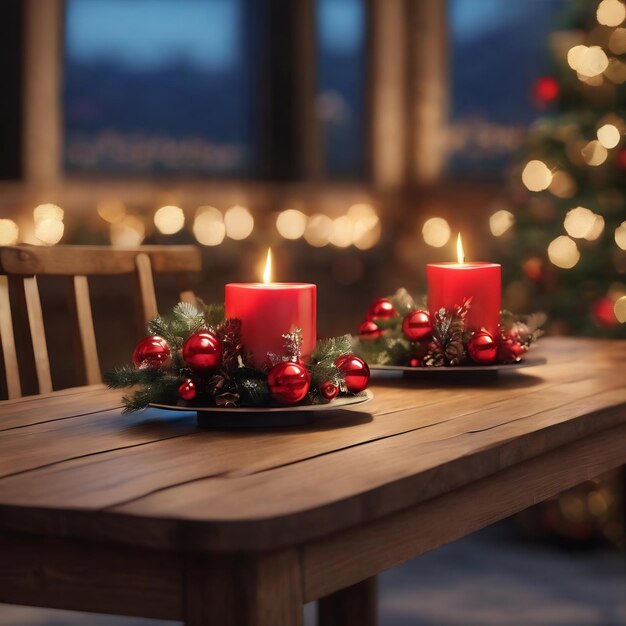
73	465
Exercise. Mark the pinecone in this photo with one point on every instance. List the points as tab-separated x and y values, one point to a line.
227	399
220	383
229	334
455	351
435	357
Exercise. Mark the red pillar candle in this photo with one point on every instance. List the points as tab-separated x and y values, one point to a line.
450	284
269	310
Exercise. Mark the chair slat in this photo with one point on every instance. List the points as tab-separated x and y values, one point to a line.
7	338
86	330
38	334
146	287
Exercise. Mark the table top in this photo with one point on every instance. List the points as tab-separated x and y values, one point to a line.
71	464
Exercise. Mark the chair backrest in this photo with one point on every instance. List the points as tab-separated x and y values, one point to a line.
25	263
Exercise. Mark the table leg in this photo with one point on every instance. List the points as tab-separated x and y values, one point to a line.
244	590
353	606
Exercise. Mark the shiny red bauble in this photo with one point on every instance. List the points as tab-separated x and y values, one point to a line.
152	352
369	330
329	390
381	309
418	326
510	350
187	390
415	362
356	372
289	382
482	348
202	352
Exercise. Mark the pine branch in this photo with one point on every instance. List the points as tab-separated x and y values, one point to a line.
214	315
128	376
162	391
403	302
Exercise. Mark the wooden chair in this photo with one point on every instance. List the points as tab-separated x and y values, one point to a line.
25	263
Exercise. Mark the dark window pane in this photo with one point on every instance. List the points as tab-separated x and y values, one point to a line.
159	86
341	77
498	51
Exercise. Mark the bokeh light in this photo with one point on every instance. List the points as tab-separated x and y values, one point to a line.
111	210
609	135
563	252
366	235
620	235
436	232
579	222
562	185
617	41
591	61
239	222
500	222
574	55
318	230
9	232
536	175
620	309
48	211
594	153
49	231
291	224
128	232
169	219
611	12
341	232
596	229
208	226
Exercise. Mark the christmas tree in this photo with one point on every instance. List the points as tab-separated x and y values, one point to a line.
567	221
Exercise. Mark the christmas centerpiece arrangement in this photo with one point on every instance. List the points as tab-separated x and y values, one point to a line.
398	332
195	358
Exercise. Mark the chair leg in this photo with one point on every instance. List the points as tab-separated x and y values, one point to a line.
263	590
353	606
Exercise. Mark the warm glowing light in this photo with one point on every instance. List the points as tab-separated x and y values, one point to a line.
574	56
208	226
436	232
367	238
9	232
341	232
49	231
500	222
169	219
318	230
611	12
111	210
536	175
594	153
48	212
128	232
291	224
620	309
267	272
562	185
616	71
239	222
617	41
460	255
608	135
596	229
362	212
592	61
579	222
620	235
563	252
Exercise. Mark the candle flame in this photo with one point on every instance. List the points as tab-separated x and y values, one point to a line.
460	255
267	272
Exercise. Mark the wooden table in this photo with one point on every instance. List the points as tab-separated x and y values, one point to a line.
146	515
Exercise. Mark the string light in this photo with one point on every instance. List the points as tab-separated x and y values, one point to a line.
536	175
341	232
49	231
111	210
563	252
611	12
208	226
9	232
562	185
48	211
500	222
318	230
239	222
620	309
129	232
579	222
617	41
608	135
436	232
594	153
620	236
291	224
587	61
169	219
596	229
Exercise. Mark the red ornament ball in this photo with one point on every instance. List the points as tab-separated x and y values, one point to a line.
381	309
415	362
546	89
510	350
356	372
152	352
369	330
329	390
418	326
482	348
202	351
187	391
289	382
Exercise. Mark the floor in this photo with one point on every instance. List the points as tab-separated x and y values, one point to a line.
489	579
